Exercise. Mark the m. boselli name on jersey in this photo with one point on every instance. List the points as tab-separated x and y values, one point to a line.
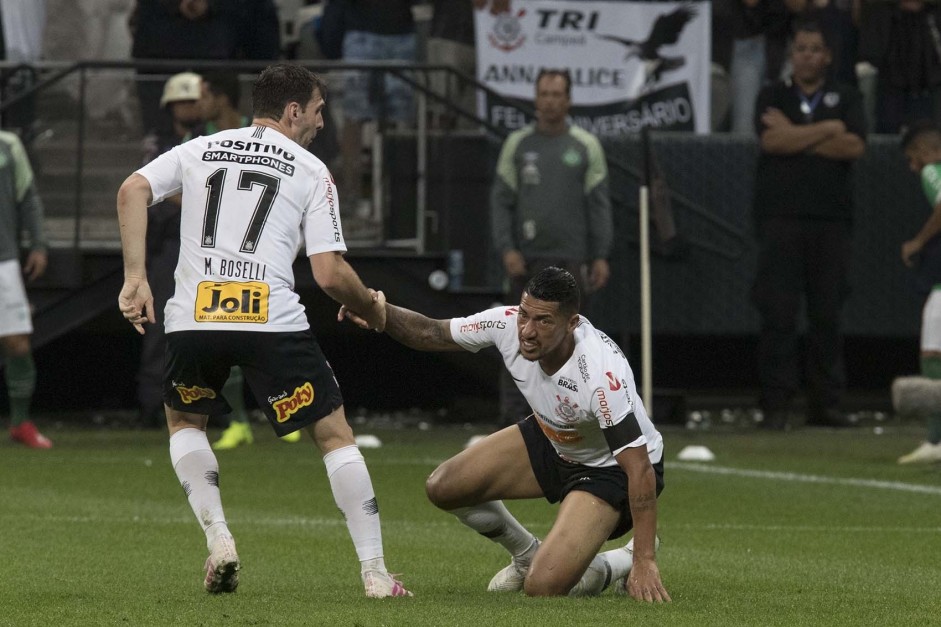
264	158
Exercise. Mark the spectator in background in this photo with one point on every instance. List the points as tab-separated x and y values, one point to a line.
902	40
20	207
23	25
181	99
451	42
376	30
220	94
549	205
839	21
196	29
747	41
811	131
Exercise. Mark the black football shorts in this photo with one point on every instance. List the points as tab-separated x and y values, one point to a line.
557	477
287	373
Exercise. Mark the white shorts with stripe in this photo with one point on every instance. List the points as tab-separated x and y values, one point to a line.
14	307
931	322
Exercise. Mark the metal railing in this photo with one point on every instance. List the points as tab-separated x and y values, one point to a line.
50	76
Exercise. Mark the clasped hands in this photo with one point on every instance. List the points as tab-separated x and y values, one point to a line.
376	321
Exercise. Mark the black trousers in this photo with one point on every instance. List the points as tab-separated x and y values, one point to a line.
801	259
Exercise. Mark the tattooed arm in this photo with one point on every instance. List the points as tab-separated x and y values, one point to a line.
410	327
644	581
417	331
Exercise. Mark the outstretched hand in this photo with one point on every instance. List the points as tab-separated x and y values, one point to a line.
644	583
136	302
360	320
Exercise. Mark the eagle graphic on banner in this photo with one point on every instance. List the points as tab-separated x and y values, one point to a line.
666	31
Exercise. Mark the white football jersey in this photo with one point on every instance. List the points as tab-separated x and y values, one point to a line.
251	199
589	409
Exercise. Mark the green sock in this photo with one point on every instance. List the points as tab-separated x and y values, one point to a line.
233	393
931	368
21	381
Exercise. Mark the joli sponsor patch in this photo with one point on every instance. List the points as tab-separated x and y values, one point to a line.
232	301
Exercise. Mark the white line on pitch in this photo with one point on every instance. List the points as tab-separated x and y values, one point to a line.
802	528
898	486
236	520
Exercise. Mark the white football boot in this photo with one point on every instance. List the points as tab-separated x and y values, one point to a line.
926	453
222	566
511	578
379	584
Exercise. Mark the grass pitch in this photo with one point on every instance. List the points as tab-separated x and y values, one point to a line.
807	528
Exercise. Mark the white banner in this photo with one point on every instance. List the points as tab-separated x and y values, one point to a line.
633	64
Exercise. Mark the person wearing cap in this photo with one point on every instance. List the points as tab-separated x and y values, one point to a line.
181	99
181	96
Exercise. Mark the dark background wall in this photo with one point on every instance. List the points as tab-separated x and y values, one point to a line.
704	324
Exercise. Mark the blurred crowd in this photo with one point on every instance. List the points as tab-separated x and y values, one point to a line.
889	49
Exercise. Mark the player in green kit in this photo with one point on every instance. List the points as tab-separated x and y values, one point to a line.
922	395
20	208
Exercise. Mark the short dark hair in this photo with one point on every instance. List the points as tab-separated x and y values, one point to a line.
224	84
565	74
555	285
810	25
922	130
278	85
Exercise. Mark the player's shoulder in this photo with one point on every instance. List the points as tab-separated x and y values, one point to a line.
495	318
10	140
600	353
583	137
931	173
781	88
518	137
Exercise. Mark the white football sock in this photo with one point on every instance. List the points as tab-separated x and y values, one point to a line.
198	471
494	521
354	495
603	569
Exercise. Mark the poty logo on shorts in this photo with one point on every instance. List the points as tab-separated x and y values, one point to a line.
302	397
188	395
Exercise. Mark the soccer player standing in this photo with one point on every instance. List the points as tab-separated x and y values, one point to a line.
252	197
922	147
20	207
